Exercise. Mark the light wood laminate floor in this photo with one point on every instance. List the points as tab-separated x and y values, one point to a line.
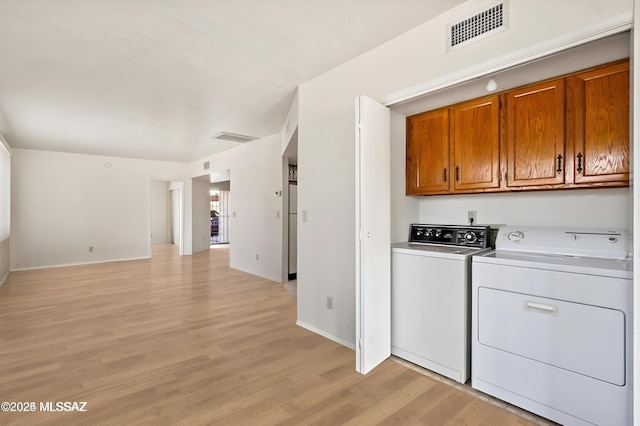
187	340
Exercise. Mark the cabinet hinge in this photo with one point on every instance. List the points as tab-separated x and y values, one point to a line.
359	343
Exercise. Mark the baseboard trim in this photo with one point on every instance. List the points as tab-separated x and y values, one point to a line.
63	265
327	335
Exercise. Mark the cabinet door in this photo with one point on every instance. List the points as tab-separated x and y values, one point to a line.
598	124
476	144
373	235
428	152
535	135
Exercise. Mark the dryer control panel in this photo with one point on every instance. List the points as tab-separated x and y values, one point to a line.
579	242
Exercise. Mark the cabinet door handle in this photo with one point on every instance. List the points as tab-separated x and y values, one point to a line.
579	162
559	163
444	174
457	174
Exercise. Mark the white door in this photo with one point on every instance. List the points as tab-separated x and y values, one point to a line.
373	234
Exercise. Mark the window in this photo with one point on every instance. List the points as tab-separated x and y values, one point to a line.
5	191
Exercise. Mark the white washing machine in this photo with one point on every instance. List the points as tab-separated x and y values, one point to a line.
552	323
430	297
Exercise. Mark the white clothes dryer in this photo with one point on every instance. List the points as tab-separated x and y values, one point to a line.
552	323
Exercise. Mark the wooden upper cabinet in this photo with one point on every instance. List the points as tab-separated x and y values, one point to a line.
428	152
534	135
475	160
598	124
571	132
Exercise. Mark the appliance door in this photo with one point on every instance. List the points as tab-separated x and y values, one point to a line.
293	198
293	230
554	343
430	312
585	339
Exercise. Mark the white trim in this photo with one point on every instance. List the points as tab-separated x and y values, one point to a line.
358	239
4	278
635	208
325	334
63	265
607	27
4	144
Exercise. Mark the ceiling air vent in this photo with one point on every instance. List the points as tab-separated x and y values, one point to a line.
491	20
206	165
233	137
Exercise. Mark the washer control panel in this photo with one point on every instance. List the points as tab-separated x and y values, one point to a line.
451	235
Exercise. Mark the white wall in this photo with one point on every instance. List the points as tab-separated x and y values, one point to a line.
290	123
201	213
404	210
605	208
326	260
4	259
62	204
635	217
255	223
5	207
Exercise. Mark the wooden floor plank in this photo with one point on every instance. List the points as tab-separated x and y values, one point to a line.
187	340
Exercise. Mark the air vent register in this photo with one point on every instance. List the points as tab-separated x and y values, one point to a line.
491	20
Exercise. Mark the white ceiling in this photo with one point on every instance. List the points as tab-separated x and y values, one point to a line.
156	79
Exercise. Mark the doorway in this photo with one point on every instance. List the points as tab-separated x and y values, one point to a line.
175	214
219	199
165	214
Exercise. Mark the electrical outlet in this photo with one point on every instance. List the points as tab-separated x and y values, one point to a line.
330	302
472	217
90	249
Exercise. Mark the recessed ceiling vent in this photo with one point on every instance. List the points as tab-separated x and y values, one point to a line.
233	137
491	20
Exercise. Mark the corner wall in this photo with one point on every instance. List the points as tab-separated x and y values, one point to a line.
201	214
4	259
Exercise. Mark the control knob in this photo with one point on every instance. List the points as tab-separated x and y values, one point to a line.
515	236
470	237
